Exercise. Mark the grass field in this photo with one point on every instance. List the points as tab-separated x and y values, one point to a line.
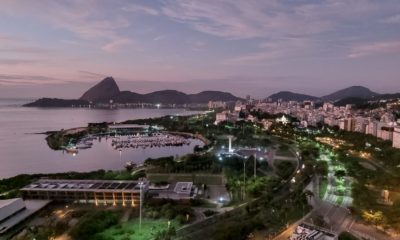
130	230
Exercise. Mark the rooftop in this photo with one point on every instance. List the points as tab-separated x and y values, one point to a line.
82	185
4	203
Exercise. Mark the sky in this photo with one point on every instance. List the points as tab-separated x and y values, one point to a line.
54	48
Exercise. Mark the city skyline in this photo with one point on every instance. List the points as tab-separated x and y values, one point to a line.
59	49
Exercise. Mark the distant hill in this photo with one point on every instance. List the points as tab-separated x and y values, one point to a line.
206	96
350	95
351	100
350	92
367	101
56	102
291	96
108	89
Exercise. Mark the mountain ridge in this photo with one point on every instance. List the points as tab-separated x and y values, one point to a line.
354	92
291	96
350	92
107	90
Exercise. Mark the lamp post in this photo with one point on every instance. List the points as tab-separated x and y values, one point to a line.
255	165
120	154
140	208
244	179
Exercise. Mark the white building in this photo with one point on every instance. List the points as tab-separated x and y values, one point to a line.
396	137
328	107
225	116
216	104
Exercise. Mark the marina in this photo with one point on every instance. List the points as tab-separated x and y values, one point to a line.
149	141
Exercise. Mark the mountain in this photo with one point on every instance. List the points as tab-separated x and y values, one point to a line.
291	96
351	100
102	92
56	102
108	89
206	96
350	92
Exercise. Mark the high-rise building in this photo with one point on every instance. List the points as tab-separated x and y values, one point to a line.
396	137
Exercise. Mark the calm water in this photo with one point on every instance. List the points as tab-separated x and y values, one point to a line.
22	151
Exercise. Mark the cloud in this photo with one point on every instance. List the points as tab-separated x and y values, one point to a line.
92	75
116	45
377	48
158	38
392	19
258	18
141	9
274	49
6	61
27	50
17	80
88	20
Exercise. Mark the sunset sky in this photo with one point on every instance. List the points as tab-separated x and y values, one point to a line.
60	48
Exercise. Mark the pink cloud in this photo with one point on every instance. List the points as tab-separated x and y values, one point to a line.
378	48
116	45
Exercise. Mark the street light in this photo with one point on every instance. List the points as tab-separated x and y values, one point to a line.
120	154
255	165
140	208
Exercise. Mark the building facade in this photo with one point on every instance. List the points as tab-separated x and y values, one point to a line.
125	193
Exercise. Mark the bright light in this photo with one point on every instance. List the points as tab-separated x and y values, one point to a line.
221	199
261	158
293	180
220	158
303	166
223	147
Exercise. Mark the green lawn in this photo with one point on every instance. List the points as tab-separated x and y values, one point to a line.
130	230
323	185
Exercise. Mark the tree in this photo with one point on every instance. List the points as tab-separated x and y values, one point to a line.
340	173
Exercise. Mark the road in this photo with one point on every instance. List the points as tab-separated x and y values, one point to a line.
339	218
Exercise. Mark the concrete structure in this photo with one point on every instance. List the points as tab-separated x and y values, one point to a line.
230	149
216	104
226	116
396	137
386	133
14	211
175	191
307	231
10	207
129	128
89	191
